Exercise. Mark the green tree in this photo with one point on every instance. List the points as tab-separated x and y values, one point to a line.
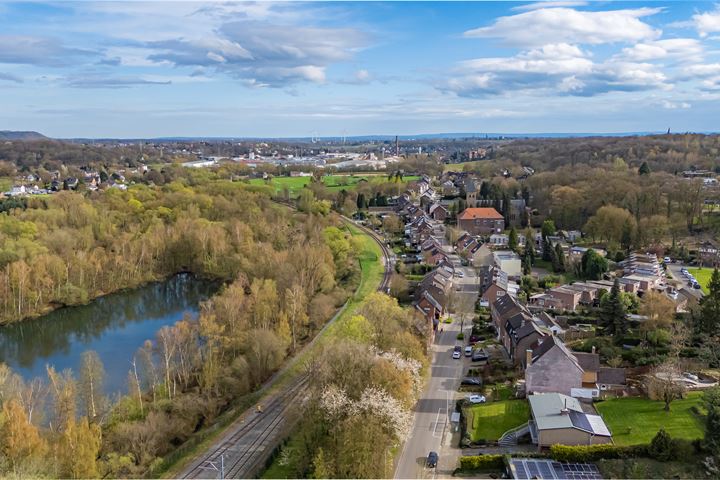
712	430
548	228
707	321
558	259
644	169
661	446
592	265
612	317
513	240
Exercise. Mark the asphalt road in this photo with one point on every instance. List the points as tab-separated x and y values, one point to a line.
432	411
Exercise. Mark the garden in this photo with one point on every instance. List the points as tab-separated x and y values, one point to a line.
634	421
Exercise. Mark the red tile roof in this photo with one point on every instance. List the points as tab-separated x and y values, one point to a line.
485	212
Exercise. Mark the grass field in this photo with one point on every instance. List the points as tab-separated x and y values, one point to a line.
702	275
488	421
333	182
636	420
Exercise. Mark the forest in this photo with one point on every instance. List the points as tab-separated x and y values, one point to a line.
285	273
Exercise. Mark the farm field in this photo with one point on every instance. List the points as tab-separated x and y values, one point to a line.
634	421
333	182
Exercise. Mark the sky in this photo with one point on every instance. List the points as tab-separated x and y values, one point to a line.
131	69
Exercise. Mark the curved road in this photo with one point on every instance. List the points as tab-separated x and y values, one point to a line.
246	445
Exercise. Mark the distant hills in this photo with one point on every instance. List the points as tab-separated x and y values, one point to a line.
12	135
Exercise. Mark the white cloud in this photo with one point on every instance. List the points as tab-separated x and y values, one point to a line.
559	69
565	25
674	105
684	49
36	50
548	4
707	22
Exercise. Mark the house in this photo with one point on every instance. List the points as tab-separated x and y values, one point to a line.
492	293
438	212
557	298
479	221
560	419
709	254
571	235
611	379
480	256
520	333
504	307
449	189
502	240
551	367
508	262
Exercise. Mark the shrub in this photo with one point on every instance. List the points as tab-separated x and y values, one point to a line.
591	453
460	336
482	462
661	446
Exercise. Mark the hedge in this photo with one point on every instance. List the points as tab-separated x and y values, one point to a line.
482	462
590	453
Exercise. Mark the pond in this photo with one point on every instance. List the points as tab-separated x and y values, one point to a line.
114	326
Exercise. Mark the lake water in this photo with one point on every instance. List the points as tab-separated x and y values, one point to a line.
115	326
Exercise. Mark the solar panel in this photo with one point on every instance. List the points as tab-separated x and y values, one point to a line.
545	470
533	470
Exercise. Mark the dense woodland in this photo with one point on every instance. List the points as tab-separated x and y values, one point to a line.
285	271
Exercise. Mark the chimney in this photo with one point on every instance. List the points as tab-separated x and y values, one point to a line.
593	349
564	410
528	357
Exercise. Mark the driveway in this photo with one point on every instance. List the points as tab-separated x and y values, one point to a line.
431	426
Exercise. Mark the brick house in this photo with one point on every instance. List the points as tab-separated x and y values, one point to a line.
481	221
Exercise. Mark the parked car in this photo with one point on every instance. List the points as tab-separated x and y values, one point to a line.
432	460
474	339
468	351
696	285
667	260
691	376
472	381
476	398
457	352
479	355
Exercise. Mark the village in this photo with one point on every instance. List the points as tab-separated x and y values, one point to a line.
533	366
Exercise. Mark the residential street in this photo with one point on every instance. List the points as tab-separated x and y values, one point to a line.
432	412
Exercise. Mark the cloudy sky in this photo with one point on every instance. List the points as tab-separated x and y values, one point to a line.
145	69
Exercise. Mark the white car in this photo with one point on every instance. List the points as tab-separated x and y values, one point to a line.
457	355
476	398
468	351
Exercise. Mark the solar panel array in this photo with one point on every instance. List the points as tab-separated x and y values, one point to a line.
527	469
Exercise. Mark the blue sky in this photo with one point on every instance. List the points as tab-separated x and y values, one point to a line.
146	69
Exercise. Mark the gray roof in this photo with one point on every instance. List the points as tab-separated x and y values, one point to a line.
589	362
547	411
611	376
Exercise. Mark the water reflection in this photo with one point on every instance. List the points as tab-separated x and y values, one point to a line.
114	326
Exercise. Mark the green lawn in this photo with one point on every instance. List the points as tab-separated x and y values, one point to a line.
488	421
702	275
636	420
333	182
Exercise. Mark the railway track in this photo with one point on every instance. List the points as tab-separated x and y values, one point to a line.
242	451
248	443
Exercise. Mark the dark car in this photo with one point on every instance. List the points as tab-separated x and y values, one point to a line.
432	460
474	339
472	381
479	356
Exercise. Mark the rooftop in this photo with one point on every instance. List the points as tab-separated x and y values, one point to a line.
480	212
